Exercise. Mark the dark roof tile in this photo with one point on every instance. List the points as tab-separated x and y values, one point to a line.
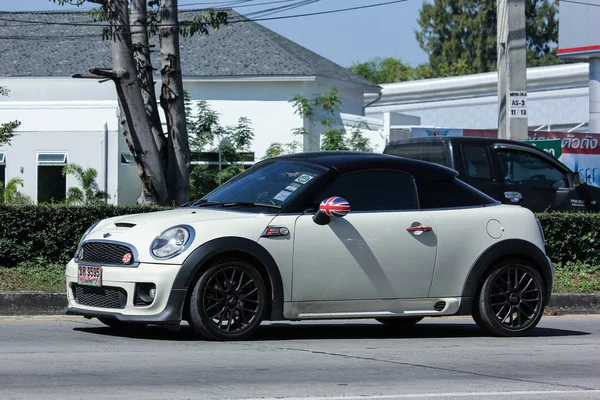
239	49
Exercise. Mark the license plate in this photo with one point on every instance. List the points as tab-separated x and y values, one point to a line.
89	275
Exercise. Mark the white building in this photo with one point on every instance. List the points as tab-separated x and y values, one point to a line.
243	70
557	100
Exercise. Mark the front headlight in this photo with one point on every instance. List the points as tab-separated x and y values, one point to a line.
172	241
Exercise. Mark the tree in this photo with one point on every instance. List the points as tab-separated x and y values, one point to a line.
386	70
462	33
7	129
89	192
163	158
322	111
10	194
208	135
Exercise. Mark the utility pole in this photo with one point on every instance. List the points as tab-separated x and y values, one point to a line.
512	70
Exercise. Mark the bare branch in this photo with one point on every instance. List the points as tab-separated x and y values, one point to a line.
88	76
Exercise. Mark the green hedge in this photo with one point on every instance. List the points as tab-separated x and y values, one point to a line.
572	237
53	231
50	231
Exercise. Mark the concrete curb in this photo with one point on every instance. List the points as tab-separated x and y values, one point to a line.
575	303
32	303
43	303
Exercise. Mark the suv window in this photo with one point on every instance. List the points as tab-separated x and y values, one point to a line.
477	162
524	167
432	152
375	191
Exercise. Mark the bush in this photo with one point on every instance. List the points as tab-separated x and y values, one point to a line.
51	232
572	237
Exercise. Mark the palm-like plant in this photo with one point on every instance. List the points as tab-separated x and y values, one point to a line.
89	192
9	194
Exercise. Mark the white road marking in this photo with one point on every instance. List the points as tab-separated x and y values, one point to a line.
433	395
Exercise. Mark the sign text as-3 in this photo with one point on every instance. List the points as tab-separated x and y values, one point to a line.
518	104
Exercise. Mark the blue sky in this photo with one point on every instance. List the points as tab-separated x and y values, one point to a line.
353	36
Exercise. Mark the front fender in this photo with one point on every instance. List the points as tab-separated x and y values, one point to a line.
201	257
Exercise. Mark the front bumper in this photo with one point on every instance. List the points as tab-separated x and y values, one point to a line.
166	308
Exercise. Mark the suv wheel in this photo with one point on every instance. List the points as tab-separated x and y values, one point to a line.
511	299
228	302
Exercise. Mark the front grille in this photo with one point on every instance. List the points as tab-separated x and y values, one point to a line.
103	297
439	306
104	253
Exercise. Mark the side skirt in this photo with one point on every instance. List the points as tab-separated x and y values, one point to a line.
371	308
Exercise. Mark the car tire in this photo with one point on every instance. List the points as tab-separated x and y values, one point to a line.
400	322
511	299
120	325
228	302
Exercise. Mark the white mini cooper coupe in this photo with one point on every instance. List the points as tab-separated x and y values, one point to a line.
318	236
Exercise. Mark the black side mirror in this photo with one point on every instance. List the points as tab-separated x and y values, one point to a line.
333	207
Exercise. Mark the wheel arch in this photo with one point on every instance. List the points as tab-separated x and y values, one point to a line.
508	249
233	247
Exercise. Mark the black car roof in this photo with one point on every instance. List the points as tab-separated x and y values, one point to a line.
350	161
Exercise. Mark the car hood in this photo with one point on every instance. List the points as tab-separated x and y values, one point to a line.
167	219
139	230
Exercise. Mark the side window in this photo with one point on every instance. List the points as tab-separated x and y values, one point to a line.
433	152
375	191
477	162
530	169
456	194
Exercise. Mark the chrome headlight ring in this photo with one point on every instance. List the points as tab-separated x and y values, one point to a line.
172	242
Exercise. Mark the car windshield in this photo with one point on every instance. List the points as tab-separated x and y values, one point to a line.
272	183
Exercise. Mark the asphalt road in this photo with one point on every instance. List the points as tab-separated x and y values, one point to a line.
70	357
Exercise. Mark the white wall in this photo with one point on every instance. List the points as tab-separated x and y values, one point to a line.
65	114
264	103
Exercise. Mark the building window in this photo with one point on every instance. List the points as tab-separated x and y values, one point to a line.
51	184
3	168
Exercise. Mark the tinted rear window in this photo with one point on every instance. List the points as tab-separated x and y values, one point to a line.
449	193
432	152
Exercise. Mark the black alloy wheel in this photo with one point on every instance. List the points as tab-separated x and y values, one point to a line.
511	300
399	322
228	302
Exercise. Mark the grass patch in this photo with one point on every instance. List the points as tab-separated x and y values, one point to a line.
577	278
37	275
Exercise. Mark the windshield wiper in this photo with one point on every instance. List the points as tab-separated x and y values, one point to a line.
203	202
249	204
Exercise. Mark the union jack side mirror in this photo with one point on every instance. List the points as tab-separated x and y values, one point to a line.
333	207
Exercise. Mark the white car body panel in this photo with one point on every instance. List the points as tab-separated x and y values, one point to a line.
208	225
364	256
463	236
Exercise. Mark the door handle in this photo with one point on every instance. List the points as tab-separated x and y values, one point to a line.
420	228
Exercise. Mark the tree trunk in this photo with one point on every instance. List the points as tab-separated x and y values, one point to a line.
145	73
172	102
137	129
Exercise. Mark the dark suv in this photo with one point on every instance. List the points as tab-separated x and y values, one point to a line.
509	171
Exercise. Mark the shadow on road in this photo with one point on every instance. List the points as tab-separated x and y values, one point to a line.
335	331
